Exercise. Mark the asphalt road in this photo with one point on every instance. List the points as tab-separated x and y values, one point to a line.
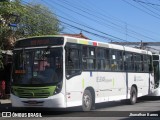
145	108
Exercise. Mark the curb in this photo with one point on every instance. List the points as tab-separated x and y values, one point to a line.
6	101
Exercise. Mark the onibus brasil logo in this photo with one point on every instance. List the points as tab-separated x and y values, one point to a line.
13	114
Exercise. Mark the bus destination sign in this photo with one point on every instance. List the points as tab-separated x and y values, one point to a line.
39	41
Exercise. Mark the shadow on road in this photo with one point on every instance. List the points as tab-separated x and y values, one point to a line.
5	107
77	111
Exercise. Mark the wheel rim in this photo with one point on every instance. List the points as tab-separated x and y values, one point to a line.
86	101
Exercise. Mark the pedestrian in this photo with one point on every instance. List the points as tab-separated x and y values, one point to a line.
3	87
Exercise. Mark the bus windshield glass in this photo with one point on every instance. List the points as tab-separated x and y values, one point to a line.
37	66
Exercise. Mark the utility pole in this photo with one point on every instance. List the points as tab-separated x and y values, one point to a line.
141	45
126	30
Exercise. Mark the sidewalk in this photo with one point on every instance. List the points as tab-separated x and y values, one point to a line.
5	101
5	105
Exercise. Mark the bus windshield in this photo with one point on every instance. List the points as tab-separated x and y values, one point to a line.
37	66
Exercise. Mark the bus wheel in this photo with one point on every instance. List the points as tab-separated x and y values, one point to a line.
87	101
133	96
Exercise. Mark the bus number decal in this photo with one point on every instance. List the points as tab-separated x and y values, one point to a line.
103	79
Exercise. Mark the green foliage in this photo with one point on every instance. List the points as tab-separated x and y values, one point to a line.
38	20
1	57
31	20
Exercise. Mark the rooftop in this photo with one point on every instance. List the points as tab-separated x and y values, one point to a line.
80	35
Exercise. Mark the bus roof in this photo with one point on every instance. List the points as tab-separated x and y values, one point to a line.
93	43
40	37
105	45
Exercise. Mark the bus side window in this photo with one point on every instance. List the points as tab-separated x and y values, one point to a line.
107	59
72	61
129	61
113	60
119	60
100	59
145	64
150	63
88	58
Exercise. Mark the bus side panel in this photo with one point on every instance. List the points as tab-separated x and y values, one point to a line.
112	85
76	85
141	80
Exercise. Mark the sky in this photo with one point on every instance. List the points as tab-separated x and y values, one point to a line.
108	20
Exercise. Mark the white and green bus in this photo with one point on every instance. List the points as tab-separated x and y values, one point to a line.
61	71
156	66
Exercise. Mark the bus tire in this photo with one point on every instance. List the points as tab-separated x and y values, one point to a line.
87	101
133	96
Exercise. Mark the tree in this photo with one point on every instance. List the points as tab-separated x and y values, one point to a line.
38	20
1	57
30	19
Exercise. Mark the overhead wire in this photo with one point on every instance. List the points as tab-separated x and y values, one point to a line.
89	18
94	19
128	30
86	16
153	7
141	10
148	9
147	3
89	31
87	26
105	37
115	18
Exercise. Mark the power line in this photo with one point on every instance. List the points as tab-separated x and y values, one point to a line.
113	17
101	13
148	3
104	37
141	10
81	28
147	8
88	26
86	11
153	7
94	20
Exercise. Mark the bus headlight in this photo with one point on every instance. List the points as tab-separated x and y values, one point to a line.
58	88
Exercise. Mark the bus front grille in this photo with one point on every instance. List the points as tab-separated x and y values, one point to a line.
33	93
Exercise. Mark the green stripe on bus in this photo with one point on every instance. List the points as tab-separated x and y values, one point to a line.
33	92
83	83
113	82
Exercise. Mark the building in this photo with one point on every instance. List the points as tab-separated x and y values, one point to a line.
80	35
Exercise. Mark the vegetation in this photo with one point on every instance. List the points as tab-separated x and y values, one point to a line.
1	57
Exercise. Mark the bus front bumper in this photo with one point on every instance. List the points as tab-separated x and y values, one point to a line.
56	101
